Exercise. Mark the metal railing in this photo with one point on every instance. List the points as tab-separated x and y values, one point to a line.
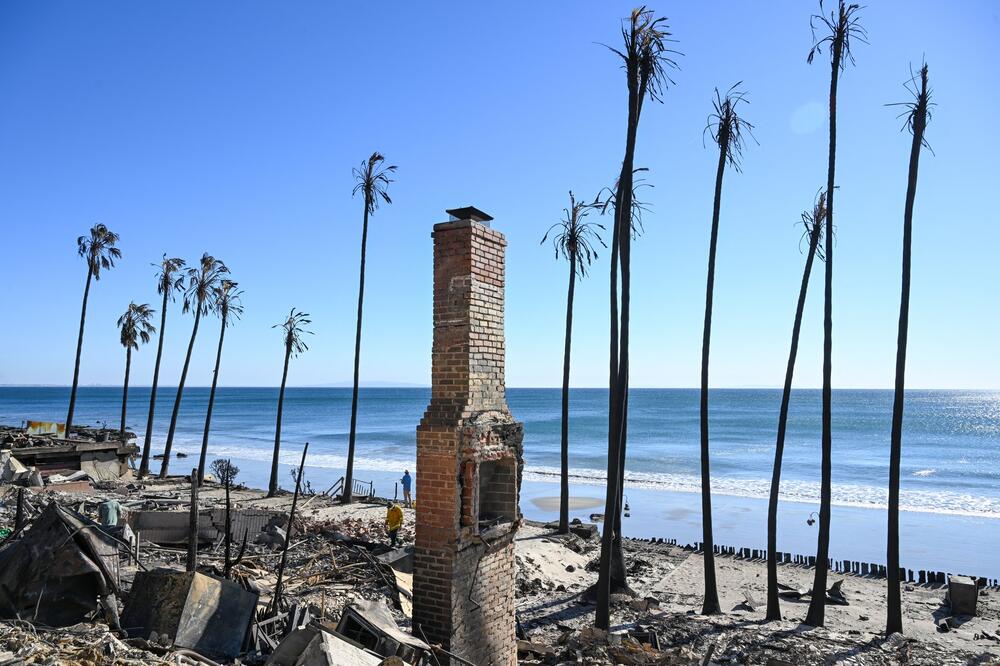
360	488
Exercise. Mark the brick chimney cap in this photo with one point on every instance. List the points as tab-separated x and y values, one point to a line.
469	213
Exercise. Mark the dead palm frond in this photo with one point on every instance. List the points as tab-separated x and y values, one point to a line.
372	180
646	41
840	27
606	200
136	326
226	301
167	279
574	239
294	328
813	222
920	106
726	127
202	282
99	249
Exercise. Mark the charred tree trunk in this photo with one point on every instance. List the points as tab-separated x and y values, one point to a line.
164	468
79	351
817	604
894	615
148	442
128	368
773	604
272	487
348	495
710	605
288	534
564	443
211	404
228	566
192	554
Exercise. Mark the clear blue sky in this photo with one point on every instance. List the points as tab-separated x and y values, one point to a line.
232	128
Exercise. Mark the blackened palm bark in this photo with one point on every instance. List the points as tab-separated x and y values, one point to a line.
128	367
603	612
710	604
564	442
211	403
228	563
165	467
272	486
192	554
79	351
348	495
773	603
817	603
288	533
148	442
918	122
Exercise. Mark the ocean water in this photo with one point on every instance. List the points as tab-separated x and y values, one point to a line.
951	442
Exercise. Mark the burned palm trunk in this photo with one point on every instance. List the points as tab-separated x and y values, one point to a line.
773	603
918	123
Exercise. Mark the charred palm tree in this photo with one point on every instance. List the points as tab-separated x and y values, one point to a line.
135	329
838	30
727	130
99	251
813	223
619	577
917	114
199	296
372	181
573	239
226	303
646	58
294	327
167	282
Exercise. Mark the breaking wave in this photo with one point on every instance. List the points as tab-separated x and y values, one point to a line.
852	495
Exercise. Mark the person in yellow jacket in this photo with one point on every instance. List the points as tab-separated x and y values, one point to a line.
393	521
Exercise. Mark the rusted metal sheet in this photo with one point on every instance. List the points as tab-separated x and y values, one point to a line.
47	428
191	610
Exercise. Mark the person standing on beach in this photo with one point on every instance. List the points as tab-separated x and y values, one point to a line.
407	482
393	521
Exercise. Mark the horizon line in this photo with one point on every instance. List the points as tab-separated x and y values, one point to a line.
409	385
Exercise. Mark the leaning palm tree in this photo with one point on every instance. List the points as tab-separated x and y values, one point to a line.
372	180
727	130
917	114
199	296
813	223
135	329
99	251
646	57
840	28
294	327
573	239
167	282
226	303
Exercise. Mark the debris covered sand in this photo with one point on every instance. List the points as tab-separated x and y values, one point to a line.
337	559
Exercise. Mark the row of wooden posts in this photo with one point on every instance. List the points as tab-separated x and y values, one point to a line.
853	567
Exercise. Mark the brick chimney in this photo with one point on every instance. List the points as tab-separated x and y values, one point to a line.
469	454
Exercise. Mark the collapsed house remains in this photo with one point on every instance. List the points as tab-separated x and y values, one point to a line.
38	455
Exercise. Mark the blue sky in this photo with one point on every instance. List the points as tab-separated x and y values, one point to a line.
232	128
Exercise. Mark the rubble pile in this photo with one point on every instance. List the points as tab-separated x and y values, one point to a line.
86	644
